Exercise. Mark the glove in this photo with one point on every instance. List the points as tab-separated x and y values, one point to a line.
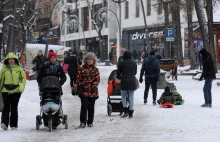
74	90
141	80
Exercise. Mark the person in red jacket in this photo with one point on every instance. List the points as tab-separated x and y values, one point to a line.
89	76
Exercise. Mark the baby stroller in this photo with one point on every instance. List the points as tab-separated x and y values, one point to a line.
114	102
51	105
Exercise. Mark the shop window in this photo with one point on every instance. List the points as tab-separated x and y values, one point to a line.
95	10
137	9
148	7
160	7
126	9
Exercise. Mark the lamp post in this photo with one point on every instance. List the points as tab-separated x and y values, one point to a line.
119	2
145	23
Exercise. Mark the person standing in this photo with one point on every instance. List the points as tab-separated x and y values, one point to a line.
151	69
209	75
39	61
12	84
89	76
73	63
52	68
127	70
110	55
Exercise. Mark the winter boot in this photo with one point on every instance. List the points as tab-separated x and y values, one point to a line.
205	105
145	101
125	113
154	103
131	113
210	105
82	125
4	127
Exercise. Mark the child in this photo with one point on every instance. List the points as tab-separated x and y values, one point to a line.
166	98
176	96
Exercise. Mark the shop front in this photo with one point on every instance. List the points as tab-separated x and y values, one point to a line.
135	39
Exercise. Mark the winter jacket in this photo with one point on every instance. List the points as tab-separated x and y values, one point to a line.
12	78
52	70
90	78
151	67
120	59
127	70
39	61
208	66
166	97
73	65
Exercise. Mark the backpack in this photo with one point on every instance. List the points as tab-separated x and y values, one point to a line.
150	67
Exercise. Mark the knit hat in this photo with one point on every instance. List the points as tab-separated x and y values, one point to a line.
50	54
167	89
173	88
152	53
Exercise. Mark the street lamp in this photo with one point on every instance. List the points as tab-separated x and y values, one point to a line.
119	2
145	23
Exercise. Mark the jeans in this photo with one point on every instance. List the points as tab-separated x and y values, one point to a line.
87	106
207	91
131	98
10	103
153	83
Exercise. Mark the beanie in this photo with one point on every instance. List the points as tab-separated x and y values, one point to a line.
50	54
152	53
173	88
167	89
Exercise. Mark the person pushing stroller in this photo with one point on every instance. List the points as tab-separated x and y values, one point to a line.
52	68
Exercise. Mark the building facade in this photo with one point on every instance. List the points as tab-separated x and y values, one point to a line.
84	37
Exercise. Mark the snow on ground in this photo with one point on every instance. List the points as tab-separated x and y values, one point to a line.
187	123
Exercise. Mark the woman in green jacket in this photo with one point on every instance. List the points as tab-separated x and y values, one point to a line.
12	84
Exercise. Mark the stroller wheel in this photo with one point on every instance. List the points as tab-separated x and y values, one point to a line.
50	124
109	110
65	121
38	122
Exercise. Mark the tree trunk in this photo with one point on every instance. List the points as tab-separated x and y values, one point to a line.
166	15
202	23
190	34
1	22
173	10
211	33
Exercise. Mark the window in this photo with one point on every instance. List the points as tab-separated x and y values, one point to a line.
126	10
137	9
160	7
85	18
148	7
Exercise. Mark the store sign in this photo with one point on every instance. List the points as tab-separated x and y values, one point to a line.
138	36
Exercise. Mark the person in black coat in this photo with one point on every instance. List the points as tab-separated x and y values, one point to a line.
127	70
52	68
39	61
209	75
73	62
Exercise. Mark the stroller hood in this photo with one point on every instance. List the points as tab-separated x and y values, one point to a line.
50	83
113	75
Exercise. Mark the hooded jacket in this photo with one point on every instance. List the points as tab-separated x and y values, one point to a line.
155	64
208	65
167	96
12	78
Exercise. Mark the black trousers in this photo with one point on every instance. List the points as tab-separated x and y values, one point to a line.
10	104
72	79
153	83
87	108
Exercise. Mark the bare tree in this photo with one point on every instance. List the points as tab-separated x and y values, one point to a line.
189	4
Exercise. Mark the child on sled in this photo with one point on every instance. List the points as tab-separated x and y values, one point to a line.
178	100
166	99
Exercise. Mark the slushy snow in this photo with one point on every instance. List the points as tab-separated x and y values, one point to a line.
187	123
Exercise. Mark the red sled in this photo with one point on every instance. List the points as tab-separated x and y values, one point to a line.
166	105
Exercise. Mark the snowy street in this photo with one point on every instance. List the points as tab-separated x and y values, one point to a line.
187	123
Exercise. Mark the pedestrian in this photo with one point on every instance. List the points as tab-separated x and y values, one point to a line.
110	55
89	76
52	68
135	54
209	75
151	69
39	61
22	60
127	70
12	84
73	63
